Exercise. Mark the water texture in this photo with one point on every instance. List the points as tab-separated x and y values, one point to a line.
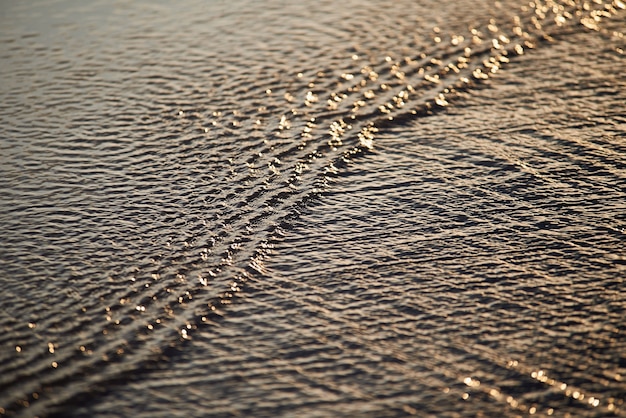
319	209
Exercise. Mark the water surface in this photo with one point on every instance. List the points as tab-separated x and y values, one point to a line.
319	209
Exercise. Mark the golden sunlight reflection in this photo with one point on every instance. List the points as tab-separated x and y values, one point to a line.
312	208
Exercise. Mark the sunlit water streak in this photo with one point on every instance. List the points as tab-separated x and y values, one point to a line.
134	212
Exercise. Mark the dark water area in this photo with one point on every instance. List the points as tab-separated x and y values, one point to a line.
312	209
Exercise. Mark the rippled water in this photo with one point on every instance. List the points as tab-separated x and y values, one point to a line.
273	208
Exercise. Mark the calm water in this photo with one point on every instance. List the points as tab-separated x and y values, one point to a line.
312	209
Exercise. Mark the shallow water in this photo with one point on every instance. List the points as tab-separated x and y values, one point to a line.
368	209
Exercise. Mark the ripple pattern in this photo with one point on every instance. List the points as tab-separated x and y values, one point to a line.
149	171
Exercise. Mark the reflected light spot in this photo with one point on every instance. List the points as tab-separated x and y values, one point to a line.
311	97
441	100
511	401
471	382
